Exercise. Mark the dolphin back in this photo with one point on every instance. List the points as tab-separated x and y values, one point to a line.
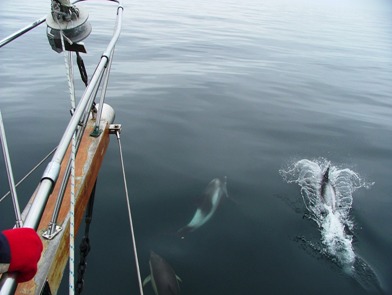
212	196
326	175
327	191
163	277
324	182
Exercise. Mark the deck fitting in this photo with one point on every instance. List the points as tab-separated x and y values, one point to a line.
96	132
49	234
114	128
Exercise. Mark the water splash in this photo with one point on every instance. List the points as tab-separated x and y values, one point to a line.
334	221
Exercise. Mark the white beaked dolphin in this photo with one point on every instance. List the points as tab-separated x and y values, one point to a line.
162	276
212	196
327	191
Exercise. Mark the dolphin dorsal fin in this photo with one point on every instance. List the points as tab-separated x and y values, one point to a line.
326	175
146	280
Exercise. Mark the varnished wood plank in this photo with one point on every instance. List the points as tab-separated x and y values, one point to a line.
56	252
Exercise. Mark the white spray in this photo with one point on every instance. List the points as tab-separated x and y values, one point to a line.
327	194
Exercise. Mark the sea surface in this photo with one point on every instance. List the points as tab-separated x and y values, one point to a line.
266	93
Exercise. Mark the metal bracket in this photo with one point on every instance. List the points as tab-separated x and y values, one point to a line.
96	132
49	234
114	128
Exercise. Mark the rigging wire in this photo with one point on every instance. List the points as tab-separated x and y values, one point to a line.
130	215
11	182
29	173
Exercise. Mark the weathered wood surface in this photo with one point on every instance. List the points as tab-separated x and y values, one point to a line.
56	251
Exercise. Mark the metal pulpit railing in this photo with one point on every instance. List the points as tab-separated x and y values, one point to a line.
58	34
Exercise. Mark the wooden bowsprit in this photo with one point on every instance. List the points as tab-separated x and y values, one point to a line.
56	251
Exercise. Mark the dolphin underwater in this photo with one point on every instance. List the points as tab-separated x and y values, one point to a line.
162	276
212	196
327	191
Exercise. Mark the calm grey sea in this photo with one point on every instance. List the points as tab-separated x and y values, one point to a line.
207	89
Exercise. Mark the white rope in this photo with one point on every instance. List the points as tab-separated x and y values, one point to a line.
68	65
71	81
69	69
130	216
72	222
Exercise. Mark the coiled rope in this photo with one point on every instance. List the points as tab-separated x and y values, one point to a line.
130	215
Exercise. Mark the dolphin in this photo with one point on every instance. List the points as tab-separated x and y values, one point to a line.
162	276
212	196
327	191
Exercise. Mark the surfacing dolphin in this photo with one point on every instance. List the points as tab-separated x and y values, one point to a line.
327	191
212	196
162	276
